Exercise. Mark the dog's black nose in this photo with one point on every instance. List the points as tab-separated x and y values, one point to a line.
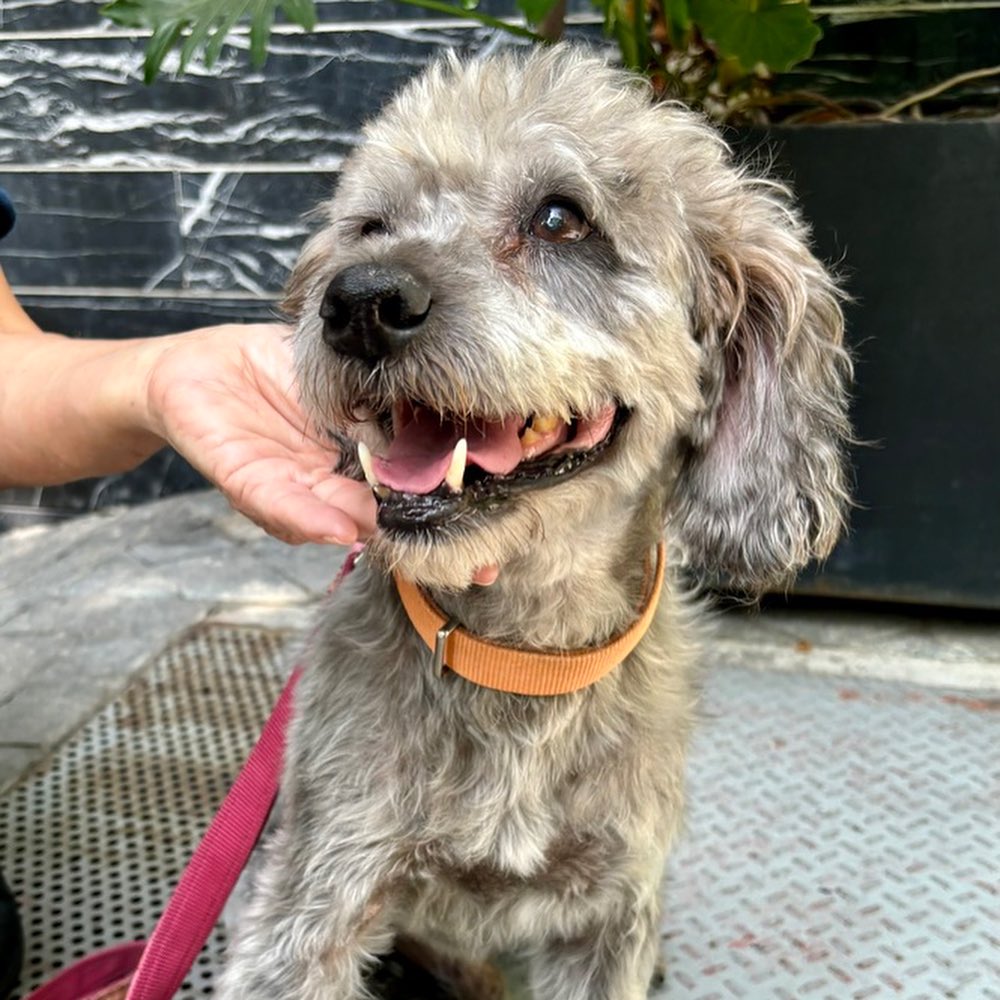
371	311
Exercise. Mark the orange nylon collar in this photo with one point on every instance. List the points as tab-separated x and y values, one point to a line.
521	671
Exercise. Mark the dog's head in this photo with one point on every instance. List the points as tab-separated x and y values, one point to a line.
540	300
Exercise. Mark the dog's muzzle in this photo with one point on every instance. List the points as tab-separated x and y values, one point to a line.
371	311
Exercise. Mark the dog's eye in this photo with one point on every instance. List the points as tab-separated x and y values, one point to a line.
560	221
373	227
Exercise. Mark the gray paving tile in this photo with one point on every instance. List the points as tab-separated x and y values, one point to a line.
234	578
20	658
26	552
312	567
859	644
73	673
15	761
294	618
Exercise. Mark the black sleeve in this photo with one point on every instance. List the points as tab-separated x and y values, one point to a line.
7	214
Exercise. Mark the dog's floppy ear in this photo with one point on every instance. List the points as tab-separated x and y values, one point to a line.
761	488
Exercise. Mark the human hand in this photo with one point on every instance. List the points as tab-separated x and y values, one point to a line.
225	398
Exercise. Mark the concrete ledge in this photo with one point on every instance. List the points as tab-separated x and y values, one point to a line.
937	652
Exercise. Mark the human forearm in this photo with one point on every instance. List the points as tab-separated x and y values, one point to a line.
71	408
13	318
224	397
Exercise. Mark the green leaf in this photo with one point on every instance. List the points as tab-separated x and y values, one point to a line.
260	33
126	13
774	33
619	24
535	10
199	32
225	24
300	12
640	29
163	40
677	14
203	25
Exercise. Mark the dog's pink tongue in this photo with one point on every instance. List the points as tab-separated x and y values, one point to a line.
418	457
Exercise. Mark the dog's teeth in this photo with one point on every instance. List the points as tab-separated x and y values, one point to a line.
536	430
455	476
365	458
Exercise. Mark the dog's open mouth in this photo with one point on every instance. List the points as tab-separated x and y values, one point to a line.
438	468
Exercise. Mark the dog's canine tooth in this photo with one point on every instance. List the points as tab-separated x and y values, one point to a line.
455	476
365	458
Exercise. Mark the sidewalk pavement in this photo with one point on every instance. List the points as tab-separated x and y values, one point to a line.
85	604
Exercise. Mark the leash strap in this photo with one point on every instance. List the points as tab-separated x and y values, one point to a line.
215	867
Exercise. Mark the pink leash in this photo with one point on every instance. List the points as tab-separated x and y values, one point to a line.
215	867
211	874
162	962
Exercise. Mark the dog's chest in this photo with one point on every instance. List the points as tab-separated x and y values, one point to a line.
494	810
486	892
570	864
514	812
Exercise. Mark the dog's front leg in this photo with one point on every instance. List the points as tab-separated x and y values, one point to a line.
613	960
310	930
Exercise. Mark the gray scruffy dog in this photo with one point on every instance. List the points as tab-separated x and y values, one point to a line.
631	337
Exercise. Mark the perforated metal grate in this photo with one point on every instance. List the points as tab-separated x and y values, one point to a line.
843	844
93	842
842	840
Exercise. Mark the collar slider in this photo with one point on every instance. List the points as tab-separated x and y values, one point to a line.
440	641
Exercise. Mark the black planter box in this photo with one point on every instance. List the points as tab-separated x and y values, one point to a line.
910	215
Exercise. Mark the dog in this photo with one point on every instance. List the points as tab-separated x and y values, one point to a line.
552	323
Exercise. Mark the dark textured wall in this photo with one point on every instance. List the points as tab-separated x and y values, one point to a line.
145	210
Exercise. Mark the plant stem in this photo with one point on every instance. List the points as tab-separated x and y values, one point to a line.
476	15
794	97
923	95
877	10
552	26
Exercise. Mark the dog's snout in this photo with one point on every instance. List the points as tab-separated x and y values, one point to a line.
372	311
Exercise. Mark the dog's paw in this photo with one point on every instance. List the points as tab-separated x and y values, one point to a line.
413	971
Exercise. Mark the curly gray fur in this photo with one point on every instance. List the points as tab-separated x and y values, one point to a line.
477	821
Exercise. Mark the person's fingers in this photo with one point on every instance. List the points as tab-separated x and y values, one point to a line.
292	513
352	497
